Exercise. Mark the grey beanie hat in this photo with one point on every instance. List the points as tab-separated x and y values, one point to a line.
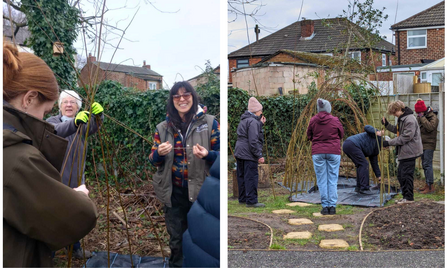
323	106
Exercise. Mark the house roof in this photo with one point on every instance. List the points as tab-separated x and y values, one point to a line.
325	40
216	71
20	37
313	59
437	65
433	16
140	72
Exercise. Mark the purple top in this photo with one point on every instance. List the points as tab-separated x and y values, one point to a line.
325	131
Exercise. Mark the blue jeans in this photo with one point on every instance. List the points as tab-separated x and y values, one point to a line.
326	168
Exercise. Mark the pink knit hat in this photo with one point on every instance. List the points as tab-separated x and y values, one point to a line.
254	105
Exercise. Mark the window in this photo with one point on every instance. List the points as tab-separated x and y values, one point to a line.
423	76
436	79
416	39
390	62
356	55
383	59
242	63
152	85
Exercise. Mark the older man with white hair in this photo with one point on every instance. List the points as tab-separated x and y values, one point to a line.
66	124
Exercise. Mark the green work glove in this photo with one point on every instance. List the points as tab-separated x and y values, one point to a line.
97	108
81	118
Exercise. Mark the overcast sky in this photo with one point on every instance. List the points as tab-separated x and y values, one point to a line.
170	42
277	14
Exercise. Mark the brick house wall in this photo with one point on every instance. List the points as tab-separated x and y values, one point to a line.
124	79
232	64
435	47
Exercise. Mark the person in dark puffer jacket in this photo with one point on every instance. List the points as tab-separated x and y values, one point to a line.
360	146
248	153
325	132
201	242
428	122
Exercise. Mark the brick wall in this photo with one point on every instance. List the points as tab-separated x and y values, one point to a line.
435	47
232	63
135	82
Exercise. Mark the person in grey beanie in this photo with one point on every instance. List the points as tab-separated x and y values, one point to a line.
248	153
325	132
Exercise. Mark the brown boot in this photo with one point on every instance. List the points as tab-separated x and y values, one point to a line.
429	190
423	188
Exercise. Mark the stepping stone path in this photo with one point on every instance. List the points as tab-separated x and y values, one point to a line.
298	204
298	235
330	227
283	211
334	244
299	221
318	214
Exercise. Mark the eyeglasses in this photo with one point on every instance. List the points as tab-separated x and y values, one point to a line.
185	96
67	102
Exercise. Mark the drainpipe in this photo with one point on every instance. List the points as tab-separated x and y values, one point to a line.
398	48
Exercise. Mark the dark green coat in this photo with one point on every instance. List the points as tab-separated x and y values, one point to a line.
429	130
40	214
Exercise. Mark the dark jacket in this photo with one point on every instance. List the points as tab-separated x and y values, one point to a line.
250	138
370	144
429	129
408	141
201	241
38	212
181	164
72	159
325	131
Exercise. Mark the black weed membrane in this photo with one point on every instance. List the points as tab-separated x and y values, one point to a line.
307	192
100	259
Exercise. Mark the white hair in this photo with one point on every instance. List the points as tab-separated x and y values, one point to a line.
70	93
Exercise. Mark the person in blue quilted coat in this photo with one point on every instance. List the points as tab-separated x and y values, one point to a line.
201	241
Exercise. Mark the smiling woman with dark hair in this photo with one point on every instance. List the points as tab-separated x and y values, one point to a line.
186	144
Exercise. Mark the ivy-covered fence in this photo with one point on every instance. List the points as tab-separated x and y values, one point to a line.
282	113
140	111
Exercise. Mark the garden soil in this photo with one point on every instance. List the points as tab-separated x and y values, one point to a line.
247	234
418	225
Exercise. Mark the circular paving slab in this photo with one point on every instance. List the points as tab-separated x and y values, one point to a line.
300	221
330	227
334	244
298	204
298	235
283	211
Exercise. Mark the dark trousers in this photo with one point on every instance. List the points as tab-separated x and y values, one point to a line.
427	164
361	164
405	176
247	181
177	223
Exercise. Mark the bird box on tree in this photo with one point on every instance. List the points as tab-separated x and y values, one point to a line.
58	48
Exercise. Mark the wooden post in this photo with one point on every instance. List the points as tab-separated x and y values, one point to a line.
235	187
